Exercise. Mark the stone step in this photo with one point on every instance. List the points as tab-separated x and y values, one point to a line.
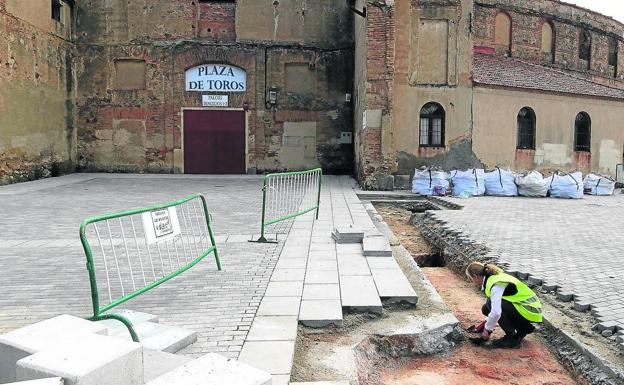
42	335
376	246
360	294
135	317
90	360
214	369
159	337
157	363
393	285
45	381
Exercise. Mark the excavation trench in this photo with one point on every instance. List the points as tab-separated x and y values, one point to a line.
423	345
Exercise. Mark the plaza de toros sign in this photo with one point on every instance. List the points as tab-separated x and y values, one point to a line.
216	77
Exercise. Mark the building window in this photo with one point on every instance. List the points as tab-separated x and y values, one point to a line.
613	55
582	132
57	8
526	129
502	31
432	125
585	42
548	38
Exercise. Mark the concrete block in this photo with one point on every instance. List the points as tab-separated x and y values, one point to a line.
581	306
281	379
274	357
353	264
359	293
376	246
43	335
392	285
320	313
378	263
607	325
284	289
214	369
565	296
157	363
89	360
273	328
321	291
133	316
159	337
279	306
348	234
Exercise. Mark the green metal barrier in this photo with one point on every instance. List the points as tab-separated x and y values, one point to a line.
288	195
168	240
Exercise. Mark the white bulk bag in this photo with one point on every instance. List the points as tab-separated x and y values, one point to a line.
471	182
564	185
599	184
425	181
532	184
500	183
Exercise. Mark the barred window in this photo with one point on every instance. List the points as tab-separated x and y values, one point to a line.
432	125
582	132
526	129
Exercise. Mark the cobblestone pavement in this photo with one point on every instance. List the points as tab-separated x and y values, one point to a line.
573	245
43	270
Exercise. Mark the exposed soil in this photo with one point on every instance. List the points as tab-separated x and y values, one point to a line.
533	364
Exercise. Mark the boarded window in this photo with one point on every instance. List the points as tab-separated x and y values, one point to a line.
585	42
129	74
502	30
526	129
613	54
582	132
432	125
299	78
433	52
548	38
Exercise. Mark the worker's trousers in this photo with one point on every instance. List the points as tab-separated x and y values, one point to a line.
510	321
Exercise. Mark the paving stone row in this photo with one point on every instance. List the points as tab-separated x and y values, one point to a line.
571	246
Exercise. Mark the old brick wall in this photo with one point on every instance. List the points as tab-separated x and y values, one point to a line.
568	21
140	129
36	85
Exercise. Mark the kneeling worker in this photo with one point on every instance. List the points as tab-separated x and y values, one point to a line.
510	303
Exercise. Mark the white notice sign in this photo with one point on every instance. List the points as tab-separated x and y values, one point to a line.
215	100
161	225
216	78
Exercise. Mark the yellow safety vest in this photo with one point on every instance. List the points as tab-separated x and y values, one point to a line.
525	300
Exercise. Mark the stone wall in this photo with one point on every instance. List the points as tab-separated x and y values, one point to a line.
37	136
568	22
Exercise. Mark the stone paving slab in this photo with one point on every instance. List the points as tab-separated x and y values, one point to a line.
279	306
359	293
276	328
321	291
320	313
376	246
274	357
393	285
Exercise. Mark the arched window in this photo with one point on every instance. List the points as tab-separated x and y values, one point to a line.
548	38
502	30
582	132
432	125
526	129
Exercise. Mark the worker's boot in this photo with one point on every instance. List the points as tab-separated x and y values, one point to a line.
508	342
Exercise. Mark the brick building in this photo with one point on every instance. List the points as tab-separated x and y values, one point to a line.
195	86
220	86
530	84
